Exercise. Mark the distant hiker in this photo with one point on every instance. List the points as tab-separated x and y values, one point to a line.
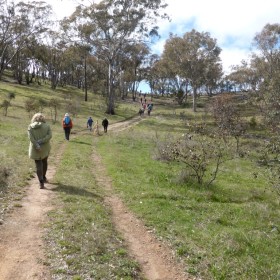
89	123
105	124
67	126
39	134
141	112
150	108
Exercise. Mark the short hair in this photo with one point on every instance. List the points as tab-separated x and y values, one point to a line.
38	117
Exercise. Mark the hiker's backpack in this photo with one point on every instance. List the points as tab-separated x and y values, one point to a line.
67	120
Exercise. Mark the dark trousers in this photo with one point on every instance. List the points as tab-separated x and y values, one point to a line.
41	168
67	132
105	128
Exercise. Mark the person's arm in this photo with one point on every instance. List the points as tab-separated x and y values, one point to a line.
31	137
47	137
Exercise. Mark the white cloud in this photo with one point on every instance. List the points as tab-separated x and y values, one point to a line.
233	23
231	57
62	8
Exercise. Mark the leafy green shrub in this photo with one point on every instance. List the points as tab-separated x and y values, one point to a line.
42	104
4	174
31	106
54	105
269	157
11	95
5	105
253	122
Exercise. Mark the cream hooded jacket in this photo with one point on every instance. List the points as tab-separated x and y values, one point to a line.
39	134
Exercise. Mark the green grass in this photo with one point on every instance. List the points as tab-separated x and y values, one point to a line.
222	232
227	231
81	231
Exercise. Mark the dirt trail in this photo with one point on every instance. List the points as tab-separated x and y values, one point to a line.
156	260
21	235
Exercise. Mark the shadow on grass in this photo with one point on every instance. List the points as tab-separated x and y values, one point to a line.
221	195
151	126
71	190
80	142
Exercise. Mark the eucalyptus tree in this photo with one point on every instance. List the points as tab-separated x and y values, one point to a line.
244	76
18	24
193	57
150	73
168	81
266	63
162	75
213	78
26	63
55	60
134	57
179	87
109	26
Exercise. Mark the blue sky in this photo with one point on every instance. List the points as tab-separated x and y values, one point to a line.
233	23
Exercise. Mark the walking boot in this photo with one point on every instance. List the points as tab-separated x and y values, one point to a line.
41	184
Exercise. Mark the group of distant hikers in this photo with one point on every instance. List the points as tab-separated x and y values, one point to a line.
40	134
144	106
90	122
67	125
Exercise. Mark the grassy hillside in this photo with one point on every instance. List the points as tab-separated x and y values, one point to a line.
230	230
72	242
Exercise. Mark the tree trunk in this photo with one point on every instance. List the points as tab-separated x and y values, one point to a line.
86	95
194	99
111	97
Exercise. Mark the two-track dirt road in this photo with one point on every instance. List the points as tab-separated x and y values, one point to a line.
21	234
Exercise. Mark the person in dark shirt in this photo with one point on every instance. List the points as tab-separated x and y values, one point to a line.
89	123
105	124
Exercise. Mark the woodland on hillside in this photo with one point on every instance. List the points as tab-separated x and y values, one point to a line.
105	48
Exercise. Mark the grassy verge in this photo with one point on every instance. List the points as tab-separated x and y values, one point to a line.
83	242
227	231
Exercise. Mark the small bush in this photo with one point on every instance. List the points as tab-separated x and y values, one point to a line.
253	122
5	105
200	154
11	95
31	106
4	174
